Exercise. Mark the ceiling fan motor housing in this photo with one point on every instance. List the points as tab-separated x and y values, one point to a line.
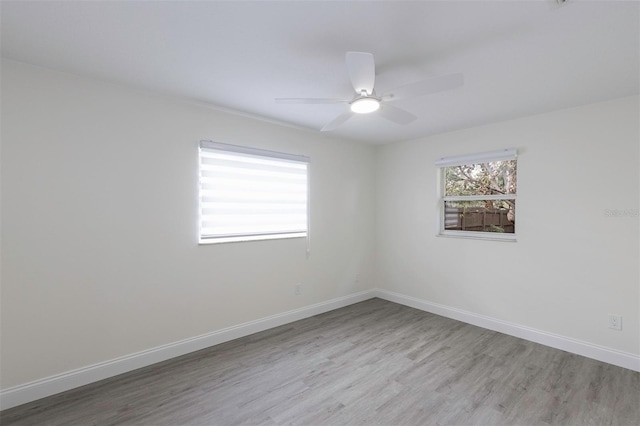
365	104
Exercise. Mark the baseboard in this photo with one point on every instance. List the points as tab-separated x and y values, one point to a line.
589	350
29	392
38	389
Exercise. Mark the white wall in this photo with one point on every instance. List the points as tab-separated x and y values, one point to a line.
99	210
99	199
572	264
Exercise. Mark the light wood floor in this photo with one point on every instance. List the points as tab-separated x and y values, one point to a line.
373	363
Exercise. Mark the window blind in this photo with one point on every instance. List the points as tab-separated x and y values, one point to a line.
483	157
251	194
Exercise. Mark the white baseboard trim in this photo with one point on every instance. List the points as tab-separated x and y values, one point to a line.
35	390
38	389
589	350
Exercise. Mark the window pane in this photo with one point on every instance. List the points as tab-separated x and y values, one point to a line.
480	216
496	177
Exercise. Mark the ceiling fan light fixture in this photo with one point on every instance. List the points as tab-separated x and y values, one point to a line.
365	105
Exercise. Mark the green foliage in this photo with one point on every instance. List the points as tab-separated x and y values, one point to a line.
497	177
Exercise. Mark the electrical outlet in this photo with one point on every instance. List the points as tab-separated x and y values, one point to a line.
615	322
297	289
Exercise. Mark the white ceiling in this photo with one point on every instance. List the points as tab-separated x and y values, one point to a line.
518	57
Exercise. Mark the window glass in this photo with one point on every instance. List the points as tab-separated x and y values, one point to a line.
479	195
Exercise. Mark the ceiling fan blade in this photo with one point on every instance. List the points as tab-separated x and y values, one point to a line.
336	122
310	101
425	87
362	71
396	115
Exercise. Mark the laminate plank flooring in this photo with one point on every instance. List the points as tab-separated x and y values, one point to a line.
372	363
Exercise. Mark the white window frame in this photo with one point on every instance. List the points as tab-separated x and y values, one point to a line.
246	152
483	157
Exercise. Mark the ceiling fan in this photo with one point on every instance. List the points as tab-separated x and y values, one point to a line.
362	72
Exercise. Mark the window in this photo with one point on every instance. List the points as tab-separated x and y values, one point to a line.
478	195
251	194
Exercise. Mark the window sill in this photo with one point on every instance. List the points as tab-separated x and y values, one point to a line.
509	238
244	239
